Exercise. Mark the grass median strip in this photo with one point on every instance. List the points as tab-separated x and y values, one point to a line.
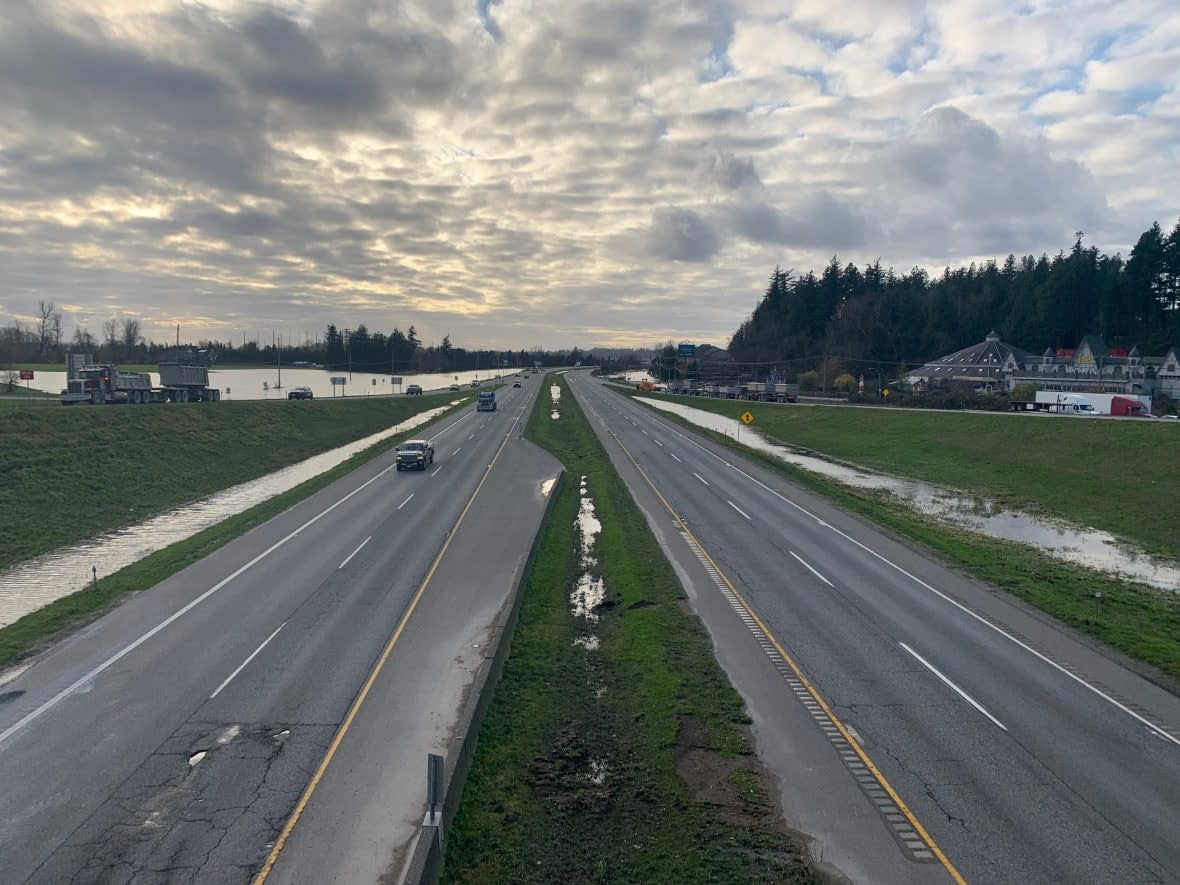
615	749
1140	621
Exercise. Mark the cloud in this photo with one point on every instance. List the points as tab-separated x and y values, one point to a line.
557	172
957	182
820	221
679	234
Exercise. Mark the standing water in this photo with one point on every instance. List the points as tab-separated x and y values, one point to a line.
1076	544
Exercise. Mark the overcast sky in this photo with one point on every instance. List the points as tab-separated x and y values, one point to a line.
520	173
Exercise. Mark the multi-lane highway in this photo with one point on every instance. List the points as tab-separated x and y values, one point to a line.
172	739
982	742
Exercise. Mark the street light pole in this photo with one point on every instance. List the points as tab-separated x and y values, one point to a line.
878	371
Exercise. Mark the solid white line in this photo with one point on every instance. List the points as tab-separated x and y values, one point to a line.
929	666
253	655
1155	729
348	558
407	501
810	569
738	509
673	454
176	615
701	478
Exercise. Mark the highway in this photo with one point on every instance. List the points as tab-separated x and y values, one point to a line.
171	740
970	739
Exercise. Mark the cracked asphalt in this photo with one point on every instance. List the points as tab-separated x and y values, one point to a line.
170	740
177	820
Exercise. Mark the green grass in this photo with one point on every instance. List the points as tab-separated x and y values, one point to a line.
38	629
217	439
652	692
1139	621
12	394
68	474
1120	476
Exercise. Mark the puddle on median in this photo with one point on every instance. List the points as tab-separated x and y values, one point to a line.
589	591
555	396
38	582
1075	544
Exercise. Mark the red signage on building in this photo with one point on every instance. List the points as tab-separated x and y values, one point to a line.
26	374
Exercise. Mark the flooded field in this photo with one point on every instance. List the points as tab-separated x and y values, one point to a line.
1076	544
273	384
40	581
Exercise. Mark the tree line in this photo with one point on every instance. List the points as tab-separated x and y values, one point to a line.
356	348
848	318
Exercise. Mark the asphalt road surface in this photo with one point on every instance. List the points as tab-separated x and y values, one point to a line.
963	737
171	740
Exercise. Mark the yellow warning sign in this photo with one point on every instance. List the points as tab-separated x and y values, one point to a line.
747	418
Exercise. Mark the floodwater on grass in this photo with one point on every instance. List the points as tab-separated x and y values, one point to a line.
38	582
1075	544
555	395
589	590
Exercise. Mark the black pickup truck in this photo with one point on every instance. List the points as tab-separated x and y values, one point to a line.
414	453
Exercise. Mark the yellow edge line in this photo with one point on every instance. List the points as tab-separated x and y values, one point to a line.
914	822
338	739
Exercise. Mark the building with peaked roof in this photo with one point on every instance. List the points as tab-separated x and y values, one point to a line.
1091	366
988	365
993	365
1167	375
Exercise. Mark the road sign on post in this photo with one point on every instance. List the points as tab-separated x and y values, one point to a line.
747	418
686	351
26	374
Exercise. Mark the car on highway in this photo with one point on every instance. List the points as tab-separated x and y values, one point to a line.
414	453
414	390
516	384
454	387
475	384
300	393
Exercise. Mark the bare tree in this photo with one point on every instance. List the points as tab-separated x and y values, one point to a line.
48	328
83	341
131	337
111	338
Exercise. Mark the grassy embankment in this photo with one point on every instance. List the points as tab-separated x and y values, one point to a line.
16	393
681	799
71	473
1119	476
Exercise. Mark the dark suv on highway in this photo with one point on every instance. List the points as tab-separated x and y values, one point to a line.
414	453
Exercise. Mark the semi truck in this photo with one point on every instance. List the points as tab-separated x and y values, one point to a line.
1129	407
104	383
1125	405
486	402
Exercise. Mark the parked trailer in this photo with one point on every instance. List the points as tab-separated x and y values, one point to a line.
185	383
105	383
